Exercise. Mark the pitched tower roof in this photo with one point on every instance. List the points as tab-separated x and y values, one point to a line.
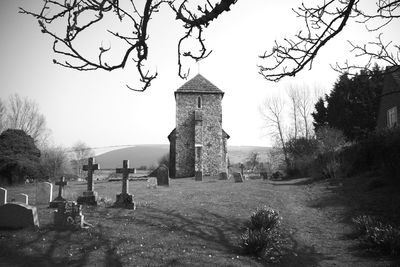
199	84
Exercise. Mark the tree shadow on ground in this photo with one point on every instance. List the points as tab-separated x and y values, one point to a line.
296	254
51	247
218	232
118	229
349	197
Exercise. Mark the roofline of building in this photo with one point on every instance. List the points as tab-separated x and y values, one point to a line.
198	92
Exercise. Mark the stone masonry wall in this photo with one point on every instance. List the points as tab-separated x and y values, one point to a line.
184	159
208	130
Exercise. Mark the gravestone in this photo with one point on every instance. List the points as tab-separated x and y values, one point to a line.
237	177
152	182
59	198
68	216
44	193
89	197
163	175
18	215
22	198
223	176
198	176
3	196
125	199
264	175
254	177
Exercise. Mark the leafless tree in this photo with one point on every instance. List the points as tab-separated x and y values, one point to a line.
305	107
322	23
272	114
293	95
2	116
22	113
253	160
54	160
81	152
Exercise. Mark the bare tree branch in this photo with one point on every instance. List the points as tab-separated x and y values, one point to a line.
322	23
77	16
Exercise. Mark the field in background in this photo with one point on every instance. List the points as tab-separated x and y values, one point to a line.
148	155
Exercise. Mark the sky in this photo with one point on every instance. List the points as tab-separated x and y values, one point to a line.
97	108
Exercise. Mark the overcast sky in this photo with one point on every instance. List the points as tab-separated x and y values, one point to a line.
98	109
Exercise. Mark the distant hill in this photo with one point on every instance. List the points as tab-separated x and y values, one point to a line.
148	155
238	154
140	155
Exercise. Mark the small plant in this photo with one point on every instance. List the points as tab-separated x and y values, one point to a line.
364	223
375	234
106	201
264	218
261	237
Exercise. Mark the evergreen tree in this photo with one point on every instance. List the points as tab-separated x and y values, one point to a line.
19	157
352	106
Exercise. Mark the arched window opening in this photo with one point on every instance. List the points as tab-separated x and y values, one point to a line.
199	102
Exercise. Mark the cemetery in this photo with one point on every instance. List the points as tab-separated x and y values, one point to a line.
292	160
137	222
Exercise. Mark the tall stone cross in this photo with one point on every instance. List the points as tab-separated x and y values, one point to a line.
90	168
61	184
125	170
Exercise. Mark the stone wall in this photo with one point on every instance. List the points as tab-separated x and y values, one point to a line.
185	104
205	132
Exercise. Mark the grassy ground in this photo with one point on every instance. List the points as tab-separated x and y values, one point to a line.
197	224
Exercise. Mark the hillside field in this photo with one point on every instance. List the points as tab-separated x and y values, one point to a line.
148	155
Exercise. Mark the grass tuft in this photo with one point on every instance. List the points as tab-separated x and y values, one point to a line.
377	235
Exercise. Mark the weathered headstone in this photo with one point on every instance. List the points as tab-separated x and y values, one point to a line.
68	216
237	177
254	176
223	176
18	215
264	175
198	176
125	199
59	198
89	197
163	175
152	182
44	193
3	196
22	198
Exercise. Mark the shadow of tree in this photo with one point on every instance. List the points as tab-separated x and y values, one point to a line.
50	247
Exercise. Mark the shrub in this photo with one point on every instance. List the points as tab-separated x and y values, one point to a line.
378	235
380	150
261	237
264	218
363	223
301	153
276	175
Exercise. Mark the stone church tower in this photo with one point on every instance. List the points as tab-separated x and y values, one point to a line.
198	143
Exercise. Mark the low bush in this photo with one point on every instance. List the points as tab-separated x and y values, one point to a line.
375	234
301	152
264	218
379	151
261	237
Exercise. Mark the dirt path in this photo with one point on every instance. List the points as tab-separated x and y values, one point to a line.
316	219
